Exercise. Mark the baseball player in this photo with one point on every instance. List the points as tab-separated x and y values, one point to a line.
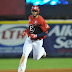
36	32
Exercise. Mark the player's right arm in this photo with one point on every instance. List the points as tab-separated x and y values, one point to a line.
25	32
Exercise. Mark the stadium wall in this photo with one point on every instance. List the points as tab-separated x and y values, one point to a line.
58	43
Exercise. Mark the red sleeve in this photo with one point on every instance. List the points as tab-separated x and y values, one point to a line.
44	26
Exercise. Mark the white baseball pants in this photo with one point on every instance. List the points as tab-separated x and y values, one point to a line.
38	51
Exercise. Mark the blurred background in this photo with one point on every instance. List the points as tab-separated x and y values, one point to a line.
58	44
49	9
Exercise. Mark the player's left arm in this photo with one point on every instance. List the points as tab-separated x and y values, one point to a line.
34	36
45	28
42	34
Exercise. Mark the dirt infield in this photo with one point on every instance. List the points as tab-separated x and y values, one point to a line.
41	70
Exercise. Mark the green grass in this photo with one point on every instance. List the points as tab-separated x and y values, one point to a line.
47	63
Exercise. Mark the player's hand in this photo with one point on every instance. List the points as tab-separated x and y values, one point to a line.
24	33
33	36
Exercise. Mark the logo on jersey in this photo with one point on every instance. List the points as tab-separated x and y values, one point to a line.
35	22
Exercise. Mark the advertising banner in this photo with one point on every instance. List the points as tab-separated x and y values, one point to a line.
59	40
11	39
57	43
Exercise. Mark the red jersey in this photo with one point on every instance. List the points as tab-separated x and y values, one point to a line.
37	25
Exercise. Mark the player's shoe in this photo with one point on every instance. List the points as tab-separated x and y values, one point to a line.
44	55
21	70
